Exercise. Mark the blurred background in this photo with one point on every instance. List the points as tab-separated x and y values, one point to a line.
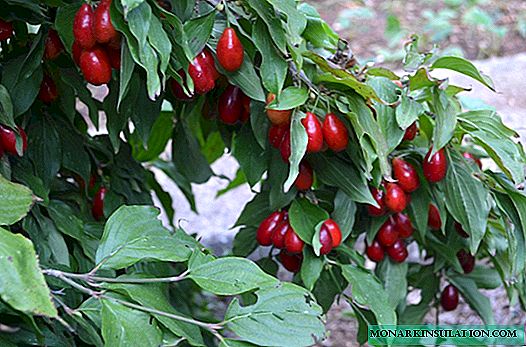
475	29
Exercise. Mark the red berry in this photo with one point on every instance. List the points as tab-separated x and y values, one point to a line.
230	106
395	197
387	234
460	230
466	260
305	177
178	90
398	83
83	24
76	51
314	132
8	140
435	167
293	243
397	251
335	133
6	30
276	134
403	225
103	28
53	45
277	117
95	66
325	240
115	57
449	298
266	228
406	175
206	57
410	132
433	218
375	251
230	50
202	75
471	157
278	236
97	210
284	147
378	196
48	90
334	230
291	262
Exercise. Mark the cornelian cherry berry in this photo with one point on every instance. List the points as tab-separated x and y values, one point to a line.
378	196
8	140
403	225
466	260
103	28
276	133
266	228
314	132
397	251
406	175
53	46
230	105
284	147
395	197
278	236
95	66
207	57
115	57
202	75
178	90
435	167
410	132
387	234
291	262
83	27
471	157
48	90
230	50
97	210
375	251
76	51
433	218
325	240
293	243
460	230
335	231
305	177
335	133
6	30
449	298
277	117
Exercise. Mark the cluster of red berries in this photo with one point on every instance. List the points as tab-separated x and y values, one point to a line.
275	230
96	49
8	140
393	197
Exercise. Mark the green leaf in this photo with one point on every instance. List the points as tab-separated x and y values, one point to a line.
64	23
304	217
289	98
230	276
123	326
476	300
247	79
263	322
245	242
344	213
15	201
134	233
335	172
367	290
463	66
446	120
311	268
160	42
296	21
6	108
251	157
408	111
266	12
139	20
156	296
255	210
44	149
394	277
23	286
199	30
466	199
162	130
317	32
298	147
